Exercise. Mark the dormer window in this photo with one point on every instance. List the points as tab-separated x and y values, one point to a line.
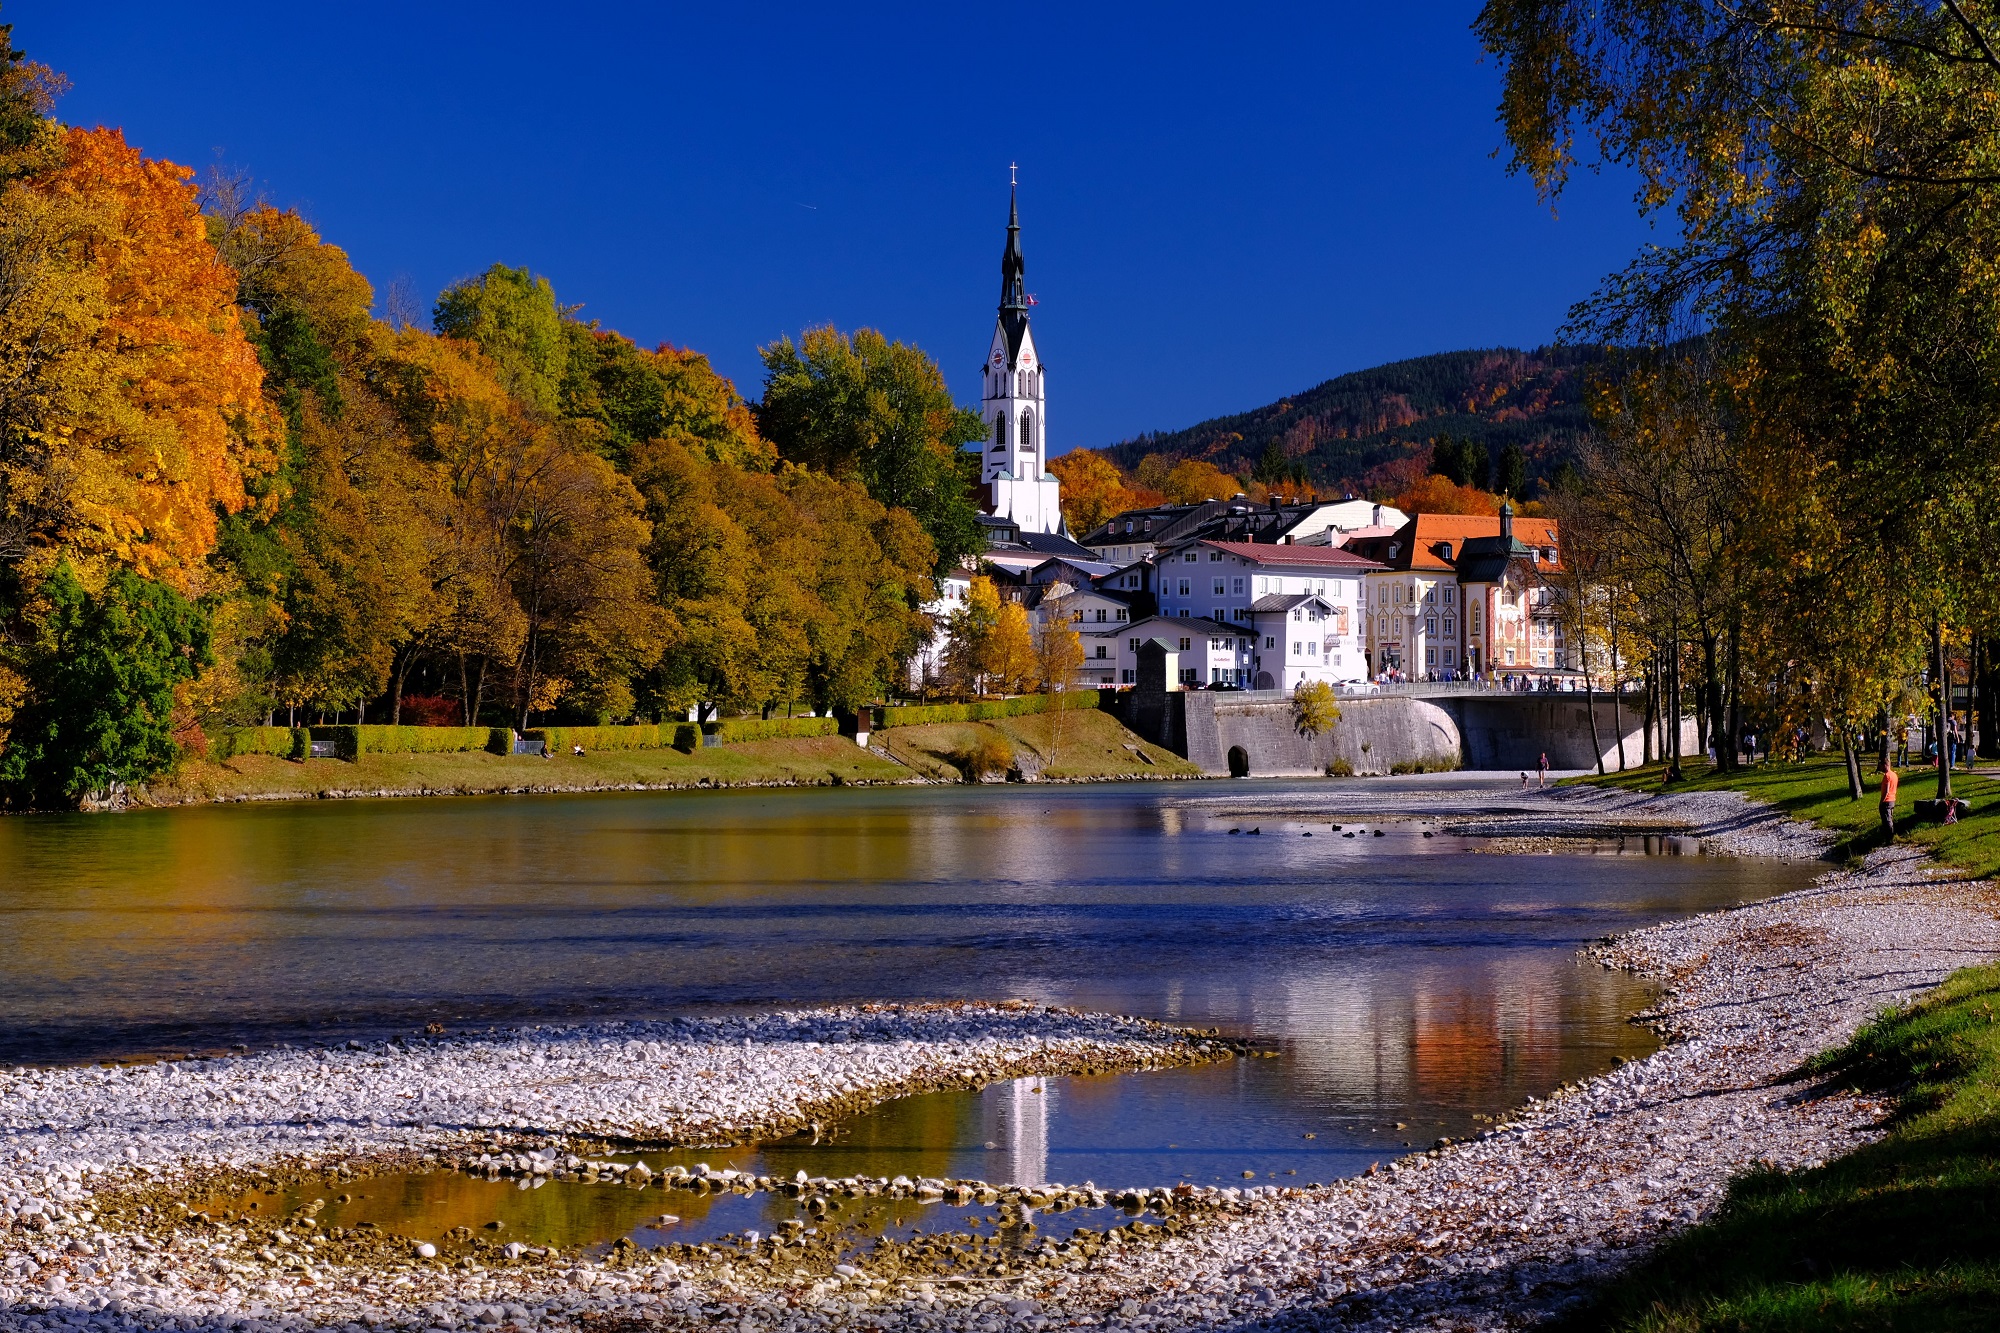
1444	550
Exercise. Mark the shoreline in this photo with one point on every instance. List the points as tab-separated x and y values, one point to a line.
1491	1233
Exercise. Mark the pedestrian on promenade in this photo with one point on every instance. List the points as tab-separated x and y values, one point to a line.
1542	770
1889	784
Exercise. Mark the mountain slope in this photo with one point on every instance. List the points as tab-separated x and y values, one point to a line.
1355	423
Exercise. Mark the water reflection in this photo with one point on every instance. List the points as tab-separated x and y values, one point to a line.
1404	978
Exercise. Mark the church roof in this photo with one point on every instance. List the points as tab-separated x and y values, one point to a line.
1013	285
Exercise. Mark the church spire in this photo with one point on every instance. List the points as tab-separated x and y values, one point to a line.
1013	268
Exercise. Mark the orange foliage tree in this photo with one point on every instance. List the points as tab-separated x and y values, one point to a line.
179	418
1093	489
1432	494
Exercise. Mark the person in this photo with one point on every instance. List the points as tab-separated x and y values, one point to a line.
576	749
1889	784
1542	770
1524	779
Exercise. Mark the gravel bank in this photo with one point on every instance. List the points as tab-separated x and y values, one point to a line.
1487	1234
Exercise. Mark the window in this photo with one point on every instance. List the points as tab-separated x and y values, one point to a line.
1510	657
1449	654
1186	644
1192	556
1132	645
1298	613
1430	624
1027	430
1102	615
1218	587
1215	555
1430	657
1185	613
1187	586
1076	616
1450	626
1270	642
1127	676
1103	651
1236	586
1000	434
1430	595
1123	614
1190	675
1263	585
1474	623
1450	594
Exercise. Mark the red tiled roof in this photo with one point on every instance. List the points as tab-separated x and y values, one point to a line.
1319	557
1426	531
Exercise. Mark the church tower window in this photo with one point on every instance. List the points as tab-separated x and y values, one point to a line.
1000	433
1027	430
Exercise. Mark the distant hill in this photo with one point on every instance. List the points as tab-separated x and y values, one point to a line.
1354	424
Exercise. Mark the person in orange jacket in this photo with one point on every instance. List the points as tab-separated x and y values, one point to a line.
1889	784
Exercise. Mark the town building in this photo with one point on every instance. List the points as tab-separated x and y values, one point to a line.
1137	535
1300	605
1429	614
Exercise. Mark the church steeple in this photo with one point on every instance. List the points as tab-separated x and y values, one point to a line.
1013	268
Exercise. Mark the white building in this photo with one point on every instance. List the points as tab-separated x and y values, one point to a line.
1209	653
1301	605
1014	403
927	666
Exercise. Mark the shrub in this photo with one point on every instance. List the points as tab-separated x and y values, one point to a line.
432	710
353	742
1340	768
499	740
987	754
561	740
1313	708
916	715
277	741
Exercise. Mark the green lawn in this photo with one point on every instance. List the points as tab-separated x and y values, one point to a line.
1904	1234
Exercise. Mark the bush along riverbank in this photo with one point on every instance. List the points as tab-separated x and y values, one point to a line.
1900	1234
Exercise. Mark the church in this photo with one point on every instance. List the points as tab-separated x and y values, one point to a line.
1018	487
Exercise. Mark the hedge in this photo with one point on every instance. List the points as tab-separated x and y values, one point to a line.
353	742
916	715
684	736
284	742
739	729
560	740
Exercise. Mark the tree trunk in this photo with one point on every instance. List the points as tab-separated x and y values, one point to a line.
1646	750
1987	692
1711	703
409	655
1854	788
1673	718
1943	677
1734	734
1617	716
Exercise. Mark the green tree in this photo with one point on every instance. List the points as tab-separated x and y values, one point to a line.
106	667
865	409
512	315
1512	478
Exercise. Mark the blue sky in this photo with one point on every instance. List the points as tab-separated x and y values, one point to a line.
1220	204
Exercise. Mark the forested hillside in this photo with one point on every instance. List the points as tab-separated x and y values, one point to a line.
1355	424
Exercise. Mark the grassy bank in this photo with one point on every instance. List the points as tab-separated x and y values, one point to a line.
1903	1234
1078	745
1093	747
1816	791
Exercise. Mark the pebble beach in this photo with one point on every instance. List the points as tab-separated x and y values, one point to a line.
1491	1233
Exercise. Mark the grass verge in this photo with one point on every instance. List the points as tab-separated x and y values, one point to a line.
1816	791
1094	747
1903	1234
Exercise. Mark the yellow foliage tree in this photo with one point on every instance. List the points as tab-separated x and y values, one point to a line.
1093	489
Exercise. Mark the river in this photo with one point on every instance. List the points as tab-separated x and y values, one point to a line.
1410	984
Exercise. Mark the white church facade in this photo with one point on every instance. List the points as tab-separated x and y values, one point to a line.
1014	473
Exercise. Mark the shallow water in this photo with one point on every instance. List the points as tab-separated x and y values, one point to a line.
1410	983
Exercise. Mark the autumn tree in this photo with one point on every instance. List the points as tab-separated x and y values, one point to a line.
862	408
1314	708
1058	653
1093	489
1193	480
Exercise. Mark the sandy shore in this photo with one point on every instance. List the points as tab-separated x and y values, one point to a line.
1491	1233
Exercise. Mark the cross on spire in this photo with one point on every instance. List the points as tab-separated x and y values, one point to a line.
1011	169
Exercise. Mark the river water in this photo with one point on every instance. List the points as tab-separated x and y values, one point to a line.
1409	983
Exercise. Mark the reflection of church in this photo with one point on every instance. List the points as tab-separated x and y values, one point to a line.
1015	473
